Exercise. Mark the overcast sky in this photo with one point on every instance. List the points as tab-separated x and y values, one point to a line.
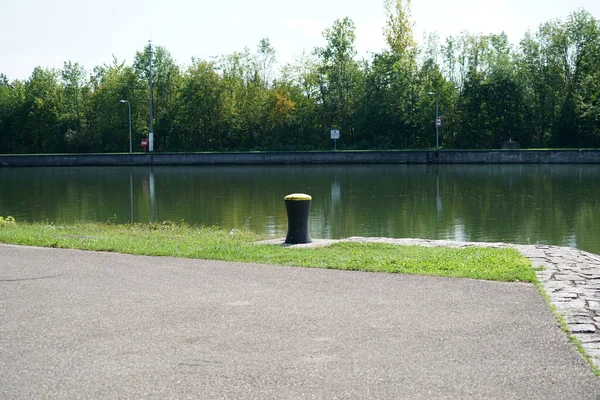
48	33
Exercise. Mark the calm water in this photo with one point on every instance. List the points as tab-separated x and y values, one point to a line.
522	204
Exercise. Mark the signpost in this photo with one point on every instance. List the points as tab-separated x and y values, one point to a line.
438	122
145	144
335	135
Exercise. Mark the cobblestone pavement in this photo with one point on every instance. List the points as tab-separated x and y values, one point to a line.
570	277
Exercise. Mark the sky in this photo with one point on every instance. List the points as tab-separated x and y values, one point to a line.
48	33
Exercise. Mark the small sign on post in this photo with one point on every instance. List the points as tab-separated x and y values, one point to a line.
335	135
438	122
145	144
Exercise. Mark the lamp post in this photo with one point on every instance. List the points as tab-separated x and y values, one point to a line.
437	117
128	106
151	135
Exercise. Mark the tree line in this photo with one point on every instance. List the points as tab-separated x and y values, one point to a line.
543	92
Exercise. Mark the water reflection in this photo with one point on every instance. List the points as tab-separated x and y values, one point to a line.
152	196
131	195
520	203
438	199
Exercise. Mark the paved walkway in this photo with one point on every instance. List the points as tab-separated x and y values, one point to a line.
571	279
77	324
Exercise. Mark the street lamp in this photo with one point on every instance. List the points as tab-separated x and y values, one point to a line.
437	117
151	135
128	106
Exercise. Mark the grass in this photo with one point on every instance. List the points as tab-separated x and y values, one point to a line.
181	240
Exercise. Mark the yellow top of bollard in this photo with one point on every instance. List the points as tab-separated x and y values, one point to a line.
297	197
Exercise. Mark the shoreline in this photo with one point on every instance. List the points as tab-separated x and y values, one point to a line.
576	156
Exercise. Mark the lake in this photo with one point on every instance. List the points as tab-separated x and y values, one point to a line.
550	204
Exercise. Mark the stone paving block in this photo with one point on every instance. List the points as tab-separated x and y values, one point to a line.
545	272
533	255
570	305
582	328
593	353
541	258
543	277
592	274
578	319
554	285
566	296
578	313
544	264
587	338
564	268
580	290
592	346
593	304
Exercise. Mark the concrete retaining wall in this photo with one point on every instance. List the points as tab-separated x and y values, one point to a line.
340	157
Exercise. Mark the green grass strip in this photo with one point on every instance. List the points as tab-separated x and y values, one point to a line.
211	243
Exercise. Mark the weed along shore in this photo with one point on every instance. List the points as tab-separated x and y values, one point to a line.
211	243
567	278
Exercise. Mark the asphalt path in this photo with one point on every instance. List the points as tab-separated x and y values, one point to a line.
77	324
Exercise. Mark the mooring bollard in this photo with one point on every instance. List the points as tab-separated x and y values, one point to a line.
298	208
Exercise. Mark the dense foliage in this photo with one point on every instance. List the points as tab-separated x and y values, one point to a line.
545	92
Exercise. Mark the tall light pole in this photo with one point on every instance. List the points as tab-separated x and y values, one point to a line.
151	135
437	118
128	106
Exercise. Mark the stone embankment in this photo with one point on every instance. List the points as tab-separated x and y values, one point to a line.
570	277
310	157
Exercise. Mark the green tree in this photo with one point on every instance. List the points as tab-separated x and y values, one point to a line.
393	92
201	109
41	131
579	45
108	118
166	79
266	60
398	29
74	98
12	116
301	80
245	97
339	78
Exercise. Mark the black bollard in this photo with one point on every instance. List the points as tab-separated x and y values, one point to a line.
298	208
